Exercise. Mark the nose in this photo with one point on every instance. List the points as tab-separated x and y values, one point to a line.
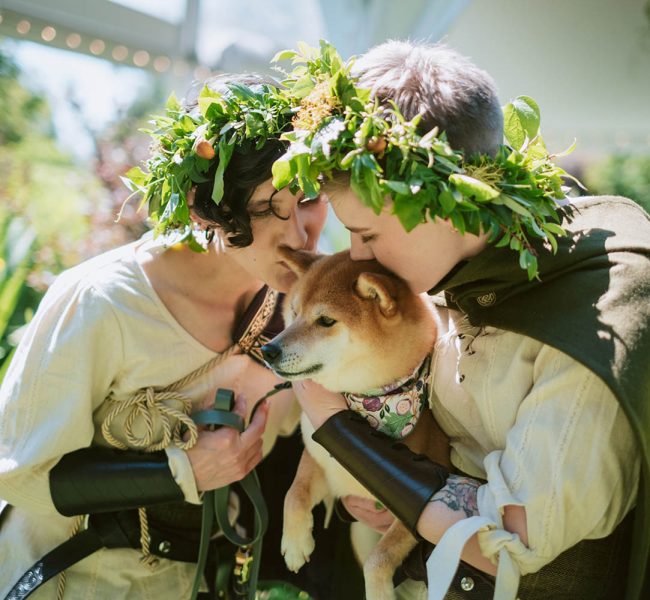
271	352
296	234
359	250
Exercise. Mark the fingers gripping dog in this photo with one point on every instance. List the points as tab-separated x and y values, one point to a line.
355	328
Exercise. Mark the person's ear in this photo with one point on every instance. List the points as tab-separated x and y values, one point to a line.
298	260
380	288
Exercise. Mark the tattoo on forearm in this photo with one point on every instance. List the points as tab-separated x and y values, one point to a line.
459	494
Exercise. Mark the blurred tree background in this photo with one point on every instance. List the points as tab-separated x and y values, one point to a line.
622	175
42	230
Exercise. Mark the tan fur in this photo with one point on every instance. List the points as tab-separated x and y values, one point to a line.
382	332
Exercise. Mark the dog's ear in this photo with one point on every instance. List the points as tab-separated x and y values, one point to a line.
298	260
378	287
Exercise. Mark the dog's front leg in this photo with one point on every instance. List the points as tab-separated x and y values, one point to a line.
390	552
308	489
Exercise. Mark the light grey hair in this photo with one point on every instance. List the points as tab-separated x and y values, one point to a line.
447	89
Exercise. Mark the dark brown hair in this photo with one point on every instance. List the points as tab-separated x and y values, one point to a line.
248	168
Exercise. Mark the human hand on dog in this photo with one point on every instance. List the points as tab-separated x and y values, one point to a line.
318	403
224	456
369	512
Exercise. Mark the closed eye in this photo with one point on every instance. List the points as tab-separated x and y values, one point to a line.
324	321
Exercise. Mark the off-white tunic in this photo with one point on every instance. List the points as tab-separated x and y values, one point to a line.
101	329
542	429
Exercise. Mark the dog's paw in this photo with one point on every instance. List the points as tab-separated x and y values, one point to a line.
297	548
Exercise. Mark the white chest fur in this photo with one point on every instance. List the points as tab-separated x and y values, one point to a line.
339	481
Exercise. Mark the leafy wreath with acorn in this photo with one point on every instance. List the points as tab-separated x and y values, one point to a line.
333	126
513	196
186	144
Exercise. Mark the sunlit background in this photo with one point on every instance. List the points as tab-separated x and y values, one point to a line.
78	78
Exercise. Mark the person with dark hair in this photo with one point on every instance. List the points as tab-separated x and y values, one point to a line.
96	407
540	376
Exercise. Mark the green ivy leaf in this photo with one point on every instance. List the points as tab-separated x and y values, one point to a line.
409	209
284	55
521	121
469	186
225	152
401	187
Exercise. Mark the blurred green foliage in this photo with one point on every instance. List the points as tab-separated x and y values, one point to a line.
623	175
44	199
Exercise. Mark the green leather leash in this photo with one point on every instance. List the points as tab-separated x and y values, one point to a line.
215	505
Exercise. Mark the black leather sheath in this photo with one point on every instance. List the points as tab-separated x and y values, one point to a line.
93	480
402	480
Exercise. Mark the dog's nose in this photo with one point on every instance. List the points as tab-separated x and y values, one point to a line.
271	352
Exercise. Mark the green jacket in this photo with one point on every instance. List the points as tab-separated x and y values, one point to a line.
593	303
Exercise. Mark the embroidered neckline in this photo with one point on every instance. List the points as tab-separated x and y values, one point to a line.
394	408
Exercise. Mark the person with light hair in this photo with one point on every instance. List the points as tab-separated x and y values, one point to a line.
540	376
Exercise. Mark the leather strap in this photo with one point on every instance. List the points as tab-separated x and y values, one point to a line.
59	559
102	532
215	505
401	479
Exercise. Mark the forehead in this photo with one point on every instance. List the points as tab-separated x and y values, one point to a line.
352	212
263	191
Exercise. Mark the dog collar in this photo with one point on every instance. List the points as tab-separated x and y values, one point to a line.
395	408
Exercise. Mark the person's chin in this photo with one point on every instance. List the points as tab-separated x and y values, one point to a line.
284	281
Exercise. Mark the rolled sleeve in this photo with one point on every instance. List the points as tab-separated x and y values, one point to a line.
181	469
570	460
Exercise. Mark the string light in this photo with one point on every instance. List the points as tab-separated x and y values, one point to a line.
97	47
141	58
23	27
48	33
120	53
73	40
161	63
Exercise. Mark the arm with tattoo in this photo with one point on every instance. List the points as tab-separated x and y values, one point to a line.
459	494
456	501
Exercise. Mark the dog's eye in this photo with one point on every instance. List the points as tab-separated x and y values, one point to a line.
325	321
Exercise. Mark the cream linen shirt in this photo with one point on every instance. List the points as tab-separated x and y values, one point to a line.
100	329
542	430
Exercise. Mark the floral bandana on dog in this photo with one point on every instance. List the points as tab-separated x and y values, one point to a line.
395	408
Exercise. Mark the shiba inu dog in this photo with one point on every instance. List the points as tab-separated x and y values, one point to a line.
355	328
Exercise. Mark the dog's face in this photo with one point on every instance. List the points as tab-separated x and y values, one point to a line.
350	325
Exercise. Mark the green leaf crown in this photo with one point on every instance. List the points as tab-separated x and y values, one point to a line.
513	197
233	118
338	127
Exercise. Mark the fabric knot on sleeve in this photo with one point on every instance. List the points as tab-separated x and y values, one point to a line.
443	562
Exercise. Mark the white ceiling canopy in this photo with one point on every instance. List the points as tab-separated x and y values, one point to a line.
231	35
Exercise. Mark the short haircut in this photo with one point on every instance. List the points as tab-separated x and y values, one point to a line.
248	168
447	89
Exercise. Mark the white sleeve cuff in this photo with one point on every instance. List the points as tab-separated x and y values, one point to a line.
491	499
443	562
182	472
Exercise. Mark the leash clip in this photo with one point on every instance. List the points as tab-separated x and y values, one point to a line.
243	559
